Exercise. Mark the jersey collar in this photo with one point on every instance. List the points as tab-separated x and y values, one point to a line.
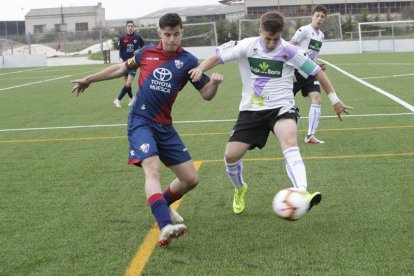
264	49
314	28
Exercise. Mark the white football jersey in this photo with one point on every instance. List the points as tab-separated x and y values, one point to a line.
309	39
267	76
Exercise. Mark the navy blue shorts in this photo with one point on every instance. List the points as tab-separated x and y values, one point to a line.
148	138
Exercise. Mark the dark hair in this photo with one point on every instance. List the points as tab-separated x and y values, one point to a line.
320	8
170	20
272	22
129	21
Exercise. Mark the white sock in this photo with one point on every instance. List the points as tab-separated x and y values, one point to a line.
295	168
234	171
314	116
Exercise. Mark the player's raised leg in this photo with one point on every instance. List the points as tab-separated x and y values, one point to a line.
158	204
187	179
286	132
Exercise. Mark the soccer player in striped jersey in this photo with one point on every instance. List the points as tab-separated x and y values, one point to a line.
266	65
129	42
164	71
310	38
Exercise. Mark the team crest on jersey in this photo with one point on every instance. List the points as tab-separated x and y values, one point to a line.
179	64
145	148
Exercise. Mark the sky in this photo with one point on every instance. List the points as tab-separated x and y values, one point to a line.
17	9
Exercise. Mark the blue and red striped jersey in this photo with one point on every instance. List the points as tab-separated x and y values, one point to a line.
128	44
162	75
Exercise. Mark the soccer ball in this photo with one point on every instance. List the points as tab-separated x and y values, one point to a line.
290	204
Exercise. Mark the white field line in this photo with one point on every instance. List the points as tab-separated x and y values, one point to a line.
185	122
27	78
377	63
390	76
379	90
22	71
60	127
36	82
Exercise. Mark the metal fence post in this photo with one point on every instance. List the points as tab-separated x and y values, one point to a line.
29	43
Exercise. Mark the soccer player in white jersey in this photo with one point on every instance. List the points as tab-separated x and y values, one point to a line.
266	65
310	38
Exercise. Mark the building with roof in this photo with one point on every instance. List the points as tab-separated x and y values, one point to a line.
80	18
255	8
111	24
212	12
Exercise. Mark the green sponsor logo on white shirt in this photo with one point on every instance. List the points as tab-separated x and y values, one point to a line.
266	67
315	45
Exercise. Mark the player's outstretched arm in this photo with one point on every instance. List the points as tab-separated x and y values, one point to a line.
210	89
111	72
338	105
207	64
322	65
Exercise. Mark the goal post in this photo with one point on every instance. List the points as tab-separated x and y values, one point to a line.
332	27
195	34
382	36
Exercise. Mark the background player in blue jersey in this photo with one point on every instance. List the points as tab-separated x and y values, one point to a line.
129	42
164	71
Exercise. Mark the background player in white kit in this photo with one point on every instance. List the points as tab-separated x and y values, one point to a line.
310	38
266	65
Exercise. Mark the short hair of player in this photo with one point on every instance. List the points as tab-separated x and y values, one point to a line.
272	22
170	20
129	22
320	8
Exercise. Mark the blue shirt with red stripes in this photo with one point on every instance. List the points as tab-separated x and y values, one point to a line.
128	44
162	76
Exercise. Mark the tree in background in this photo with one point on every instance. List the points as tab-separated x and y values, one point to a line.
224	27
115	37
408	13
349	25
364	16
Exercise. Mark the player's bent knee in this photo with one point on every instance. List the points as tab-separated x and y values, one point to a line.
193	181
231	159
190	181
